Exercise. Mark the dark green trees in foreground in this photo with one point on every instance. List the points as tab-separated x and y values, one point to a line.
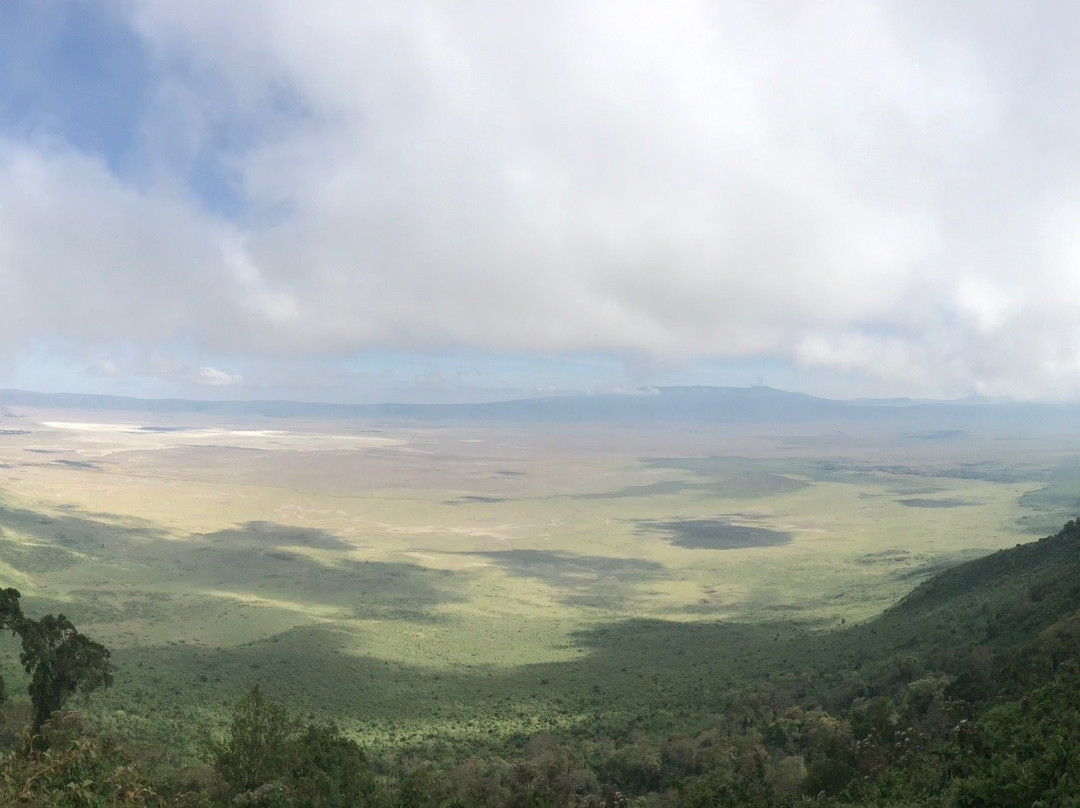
59	660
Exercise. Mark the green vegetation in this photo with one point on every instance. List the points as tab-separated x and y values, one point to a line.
533	618
467	587
991	720
58	659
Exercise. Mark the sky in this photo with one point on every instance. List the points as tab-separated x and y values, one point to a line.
352	201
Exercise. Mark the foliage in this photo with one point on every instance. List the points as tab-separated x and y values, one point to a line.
331	771
11	615
76	771
260	746
1023	752
59	660
269	759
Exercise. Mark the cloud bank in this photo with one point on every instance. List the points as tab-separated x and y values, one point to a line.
886	189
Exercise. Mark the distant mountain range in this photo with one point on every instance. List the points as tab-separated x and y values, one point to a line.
704	405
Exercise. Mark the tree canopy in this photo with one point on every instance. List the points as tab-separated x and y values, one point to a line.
59	660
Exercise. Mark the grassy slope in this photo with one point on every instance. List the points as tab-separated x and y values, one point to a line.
998	601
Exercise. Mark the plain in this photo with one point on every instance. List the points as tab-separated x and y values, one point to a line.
457	586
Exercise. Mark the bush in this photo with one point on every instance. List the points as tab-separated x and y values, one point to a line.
268	759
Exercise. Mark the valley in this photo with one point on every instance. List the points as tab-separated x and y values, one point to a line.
458	584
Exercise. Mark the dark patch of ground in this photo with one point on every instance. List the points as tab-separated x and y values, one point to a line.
720	533
917	502
76	464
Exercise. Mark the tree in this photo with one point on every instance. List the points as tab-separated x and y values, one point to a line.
11	616
332	771
268	758
261	745
60	662
11	619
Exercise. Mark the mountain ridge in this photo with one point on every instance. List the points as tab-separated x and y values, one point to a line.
692	404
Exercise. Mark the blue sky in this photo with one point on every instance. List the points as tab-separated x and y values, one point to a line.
453	201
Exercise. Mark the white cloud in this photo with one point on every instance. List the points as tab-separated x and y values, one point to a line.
84	257
872	187
216	378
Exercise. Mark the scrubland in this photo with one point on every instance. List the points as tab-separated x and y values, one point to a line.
452	586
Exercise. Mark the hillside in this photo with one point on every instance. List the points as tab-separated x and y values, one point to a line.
1001	600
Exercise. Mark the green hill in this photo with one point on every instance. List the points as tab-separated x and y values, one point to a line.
997	603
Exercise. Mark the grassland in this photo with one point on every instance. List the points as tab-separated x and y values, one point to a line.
433	584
